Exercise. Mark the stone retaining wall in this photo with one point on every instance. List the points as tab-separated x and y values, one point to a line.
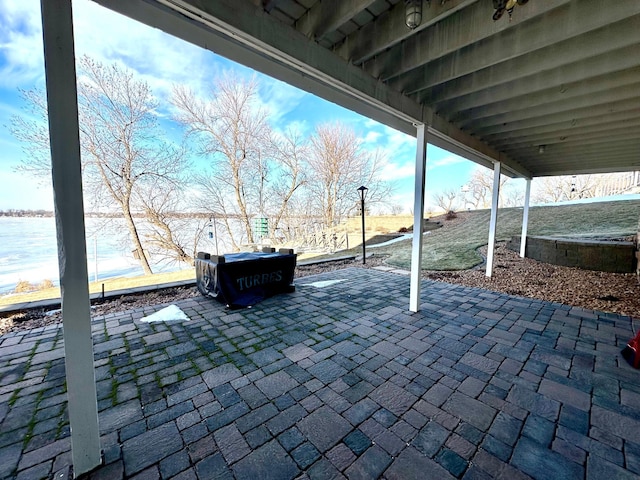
604	256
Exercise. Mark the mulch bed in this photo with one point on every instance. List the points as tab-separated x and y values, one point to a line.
608	292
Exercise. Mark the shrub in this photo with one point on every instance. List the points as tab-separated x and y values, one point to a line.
451	215
23	286
403	230
46	283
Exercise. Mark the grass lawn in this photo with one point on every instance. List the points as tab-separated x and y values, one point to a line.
110	284
452	247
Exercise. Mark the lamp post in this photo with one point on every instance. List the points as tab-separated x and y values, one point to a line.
363	193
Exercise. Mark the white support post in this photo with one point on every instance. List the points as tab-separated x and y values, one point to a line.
418	216
494	218
57	29
525	219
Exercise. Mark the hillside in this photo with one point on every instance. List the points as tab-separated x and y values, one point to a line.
453	247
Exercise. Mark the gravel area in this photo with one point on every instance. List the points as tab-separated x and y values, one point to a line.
609	292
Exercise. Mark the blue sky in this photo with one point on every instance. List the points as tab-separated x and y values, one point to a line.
163	61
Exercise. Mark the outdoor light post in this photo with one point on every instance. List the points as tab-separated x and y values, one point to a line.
363	194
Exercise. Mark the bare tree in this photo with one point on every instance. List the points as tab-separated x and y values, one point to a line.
511	198
232	129
480	187
122	147
291	151
566	187
396	209
338	165
447	200
168	234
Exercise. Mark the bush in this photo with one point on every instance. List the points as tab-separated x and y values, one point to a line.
46	283
403	230
451	215
24	286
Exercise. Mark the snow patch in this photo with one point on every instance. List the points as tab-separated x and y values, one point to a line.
324	283
170	313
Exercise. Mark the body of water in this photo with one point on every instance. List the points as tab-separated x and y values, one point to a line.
29	252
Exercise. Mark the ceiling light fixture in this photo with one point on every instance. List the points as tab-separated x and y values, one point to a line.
541	149
505	5
412	13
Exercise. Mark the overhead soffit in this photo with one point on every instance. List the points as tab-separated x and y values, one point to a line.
560	73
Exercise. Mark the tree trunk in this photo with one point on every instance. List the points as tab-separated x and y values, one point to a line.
242	205
135	237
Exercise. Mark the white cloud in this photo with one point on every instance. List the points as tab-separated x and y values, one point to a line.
157	58
393	171
164	61
446	161
21	54
370	123
279	98
372	137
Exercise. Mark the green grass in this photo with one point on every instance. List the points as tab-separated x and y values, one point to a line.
454	247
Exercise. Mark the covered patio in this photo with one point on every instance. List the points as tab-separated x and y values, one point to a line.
337	380
550	90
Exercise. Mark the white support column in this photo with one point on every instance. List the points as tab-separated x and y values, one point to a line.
494	218
525	219
57	29
418	216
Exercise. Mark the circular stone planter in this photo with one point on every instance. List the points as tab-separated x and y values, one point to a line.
599	255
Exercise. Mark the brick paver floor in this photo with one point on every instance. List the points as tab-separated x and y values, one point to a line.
338	381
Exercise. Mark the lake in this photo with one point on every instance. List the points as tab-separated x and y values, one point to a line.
28	251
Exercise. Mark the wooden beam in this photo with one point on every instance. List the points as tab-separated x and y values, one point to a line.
603	41
596	101
462	33
543	36
563	126
610	65
578	115
390	29
572	135
329	15
574	90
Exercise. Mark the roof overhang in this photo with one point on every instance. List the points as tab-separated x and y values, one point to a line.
564	74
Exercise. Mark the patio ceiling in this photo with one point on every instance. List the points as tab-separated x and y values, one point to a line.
561	74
